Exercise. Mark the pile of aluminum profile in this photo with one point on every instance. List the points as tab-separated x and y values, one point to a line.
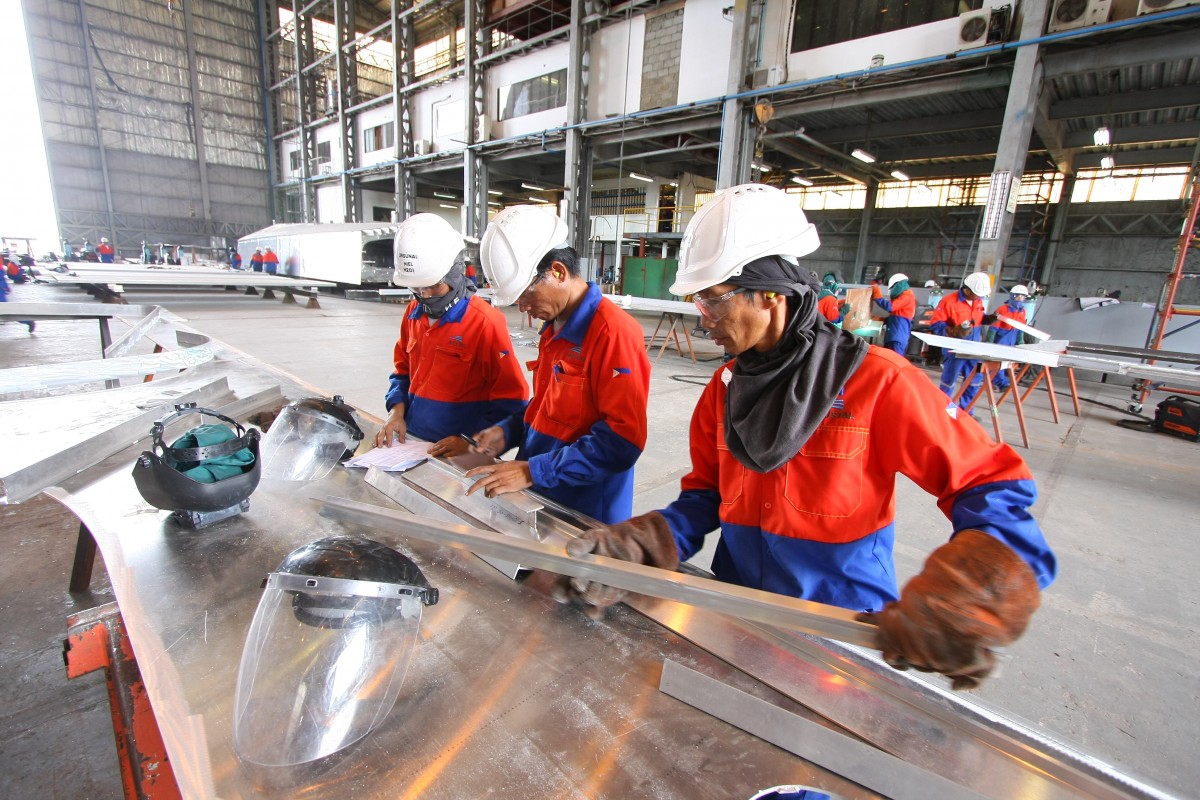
936	731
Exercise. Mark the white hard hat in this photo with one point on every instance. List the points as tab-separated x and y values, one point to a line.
899	276
980	283
426	247
931	284
739	225
513	244
1021	289
103	240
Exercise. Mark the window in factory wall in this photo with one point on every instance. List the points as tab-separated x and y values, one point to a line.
535	94
823	22
380	137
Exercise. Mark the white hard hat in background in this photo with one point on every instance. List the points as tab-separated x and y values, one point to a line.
931	284
1020	289
103	240
899	276
515	241
739	225
426	247
980	283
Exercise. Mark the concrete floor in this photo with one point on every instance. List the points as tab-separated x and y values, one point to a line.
1110	661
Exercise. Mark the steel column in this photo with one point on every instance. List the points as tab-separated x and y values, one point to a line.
402	75
996	227
268	48
305	111
475	180
1061	211
346	71
737	155
86	45
197	109
577	170
864	230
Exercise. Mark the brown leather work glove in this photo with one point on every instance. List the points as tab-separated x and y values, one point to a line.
975	593
642	540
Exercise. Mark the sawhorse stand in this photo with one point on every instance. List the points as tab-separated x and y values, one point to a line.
675	323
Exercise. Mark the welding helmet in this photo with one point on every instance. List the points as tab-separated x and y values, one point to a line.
741	224
327	650
513	245
308	438
426	248
210	468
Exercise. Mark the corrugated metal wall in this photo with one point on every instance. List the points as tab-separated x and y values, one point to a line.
155	132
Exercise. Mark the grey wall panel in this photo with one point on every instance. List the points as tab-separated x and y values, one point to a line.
145	181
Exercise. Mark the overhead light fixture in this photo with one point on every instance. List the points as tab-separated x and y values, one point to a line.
637	176
533	187
863	155
539	200
801	181
445	196
493	191
1102	137
494	203
762	168
1107	162
898	175
447	205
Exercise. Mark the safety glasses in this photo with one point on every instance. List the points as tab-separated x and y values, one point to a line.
717	308
525	296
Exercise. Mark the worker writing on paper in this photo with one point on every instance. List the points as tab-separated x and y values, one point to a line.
795	448
900	304
455	367
586	425
960	316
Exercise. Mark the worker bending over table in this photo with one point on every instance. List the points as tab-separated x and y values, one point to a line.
795	448
455	367
585	427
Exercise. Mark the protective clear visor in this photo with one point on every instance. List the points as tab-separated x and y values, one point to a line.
304	444
322	667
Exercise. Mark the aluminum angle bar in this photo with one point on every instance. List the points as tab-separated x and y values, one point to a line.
853	760
739	601
1041	336
996	352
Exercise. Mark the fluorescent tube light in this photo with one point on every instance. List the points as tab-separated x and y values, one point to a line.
863	155
445	196
539	200
447	205
533	187
493	191
639	177
801	181
898	175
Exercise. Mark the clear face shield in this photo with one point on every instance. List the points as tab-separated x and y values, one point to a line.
304	443
323	665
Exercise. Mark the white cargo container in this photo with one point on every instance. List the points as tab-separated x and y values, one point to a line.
349	253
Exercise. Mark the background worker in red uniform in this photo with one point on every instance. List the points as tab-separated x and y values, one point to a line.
828	303
256	260
585	427
900	304
105	251
456	370
1005	334
795	449
960	316
270	262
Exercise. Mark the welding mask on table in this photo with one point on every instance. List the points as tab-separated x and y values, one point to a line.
327	651
210	468
308	438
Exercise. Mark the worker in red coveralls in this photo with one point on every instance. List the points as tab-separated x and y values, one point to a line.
585	427
961	316
456	370
1005	334
901	305
105	251
828	303
256	260
270	262
796	446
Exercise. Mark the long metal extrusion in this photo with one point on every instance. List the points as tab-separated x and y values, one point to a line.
751	604
836	752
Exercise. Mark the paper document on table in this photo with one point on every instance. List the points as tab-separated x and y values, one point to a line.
396	458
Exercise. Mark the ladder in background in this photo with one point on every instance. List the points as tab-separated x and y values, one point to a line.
1166	308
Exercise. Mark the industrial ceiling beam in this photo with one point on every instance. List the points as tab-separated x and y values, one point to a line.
1121	55
1139	134
920	126
815	158
894	93
1128	103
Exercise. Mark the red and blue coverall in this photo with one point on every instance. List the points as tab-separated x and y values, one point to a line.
821	527
271	262
585	427
954	310
460	374
105	251
1006	334
898	327
829	306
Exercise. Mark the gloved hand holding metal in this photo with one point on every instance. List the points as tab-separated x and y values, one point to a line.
974	594
642	540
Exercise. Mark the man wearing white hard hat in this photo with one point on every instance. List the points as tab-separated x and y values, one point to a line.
105	251
961	316
795	448
586	425
901	305
1005	334
455	367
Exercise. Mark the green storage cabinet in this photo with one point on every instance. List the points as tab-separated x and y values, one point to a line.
648	277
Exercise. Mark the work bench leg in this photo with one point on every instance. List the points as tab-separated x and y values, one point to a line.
97	640
1074	389
1050	390
85	560
1013	378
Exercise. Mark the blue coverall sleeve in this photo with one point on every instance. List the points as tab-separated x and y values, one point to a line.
397	391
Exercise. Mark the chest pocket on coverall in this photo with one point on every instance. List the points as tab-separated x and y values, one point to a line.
569	401
827	480
448	373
